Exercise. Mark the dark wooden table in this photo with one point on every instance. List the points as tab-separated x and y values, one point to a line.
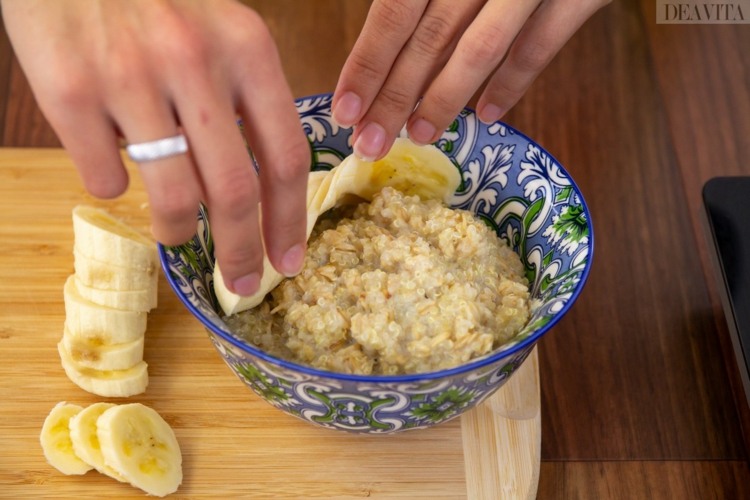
640	392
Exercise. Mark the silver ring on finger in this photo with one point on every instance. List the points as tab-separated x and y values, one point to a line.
158	150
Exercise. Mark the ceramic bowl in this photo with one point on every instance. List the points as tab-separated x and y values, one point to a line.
510	182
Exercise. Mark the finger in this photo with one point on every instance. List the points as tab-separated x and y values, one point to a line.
95	153
419	61
388	26
548	29
70	109
229	181
273	130
480	50
143	113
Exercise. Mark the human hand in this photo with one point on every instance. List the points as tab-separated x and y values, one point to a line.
442	51
153	69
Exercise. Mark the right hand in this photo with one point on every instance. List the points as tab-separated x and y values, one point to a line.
149	69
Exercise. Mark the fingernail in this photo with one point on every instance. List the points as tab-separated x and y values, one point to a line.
490	113
246	285
291	262
370	142
422	131
347	109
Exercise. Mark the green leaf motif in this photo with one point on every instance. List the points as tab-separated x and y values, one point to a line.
190	255
263	385
489	221
563	194
350	412
569	228
573	223
531	213
445	405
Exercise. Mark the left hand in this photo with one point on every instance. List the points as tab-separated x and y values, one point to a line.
442	51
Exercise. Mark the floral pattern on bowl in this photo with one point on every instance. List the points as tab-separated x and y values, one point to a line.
509	182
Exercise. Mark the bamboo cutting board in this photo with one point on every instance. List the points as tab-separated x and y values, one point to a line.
234	445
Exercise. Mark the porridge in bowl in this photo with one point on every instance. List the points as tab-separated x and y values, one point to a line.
496	173
394	286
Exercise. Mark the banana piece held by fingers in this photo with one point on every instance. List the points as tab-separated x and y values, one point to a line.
142	447
56	441
424	171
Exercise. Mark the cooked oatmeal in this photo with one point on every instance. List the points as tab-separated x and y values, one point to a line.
396	286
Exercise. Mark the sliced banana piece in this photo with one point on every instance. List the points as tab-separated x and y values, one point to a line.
102	237
141	446
106	276
56	441
98	324
103	356
85	440
107	383
415	170
128	300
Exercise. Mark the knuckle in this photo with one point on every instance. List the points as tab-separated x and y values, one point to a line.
185	51
395	13
71	88
247	29
291	164
433	36
233	192
440	106
506	91
281	231
249	24
533	55
175	204
396	99
366	66
245	257
124	67
485	49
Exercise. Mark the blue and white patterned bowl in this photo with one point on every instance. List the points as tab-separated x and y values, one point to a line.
508	181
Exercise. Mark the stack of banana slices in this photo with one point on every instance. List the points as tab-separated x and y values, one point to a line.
107	301
131	443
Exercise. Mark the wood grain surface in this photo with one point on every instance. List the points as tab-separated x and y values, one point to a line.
233	443
640	395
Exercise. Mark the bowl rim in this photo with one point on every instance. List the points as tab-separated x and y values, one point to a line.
478	363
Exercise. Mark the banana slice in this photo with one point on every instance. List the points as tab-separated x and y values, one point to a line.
107	383
232	302
415	170
104	357
86	441
102	237
56	441
128	300
142	447
106	276
97	324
